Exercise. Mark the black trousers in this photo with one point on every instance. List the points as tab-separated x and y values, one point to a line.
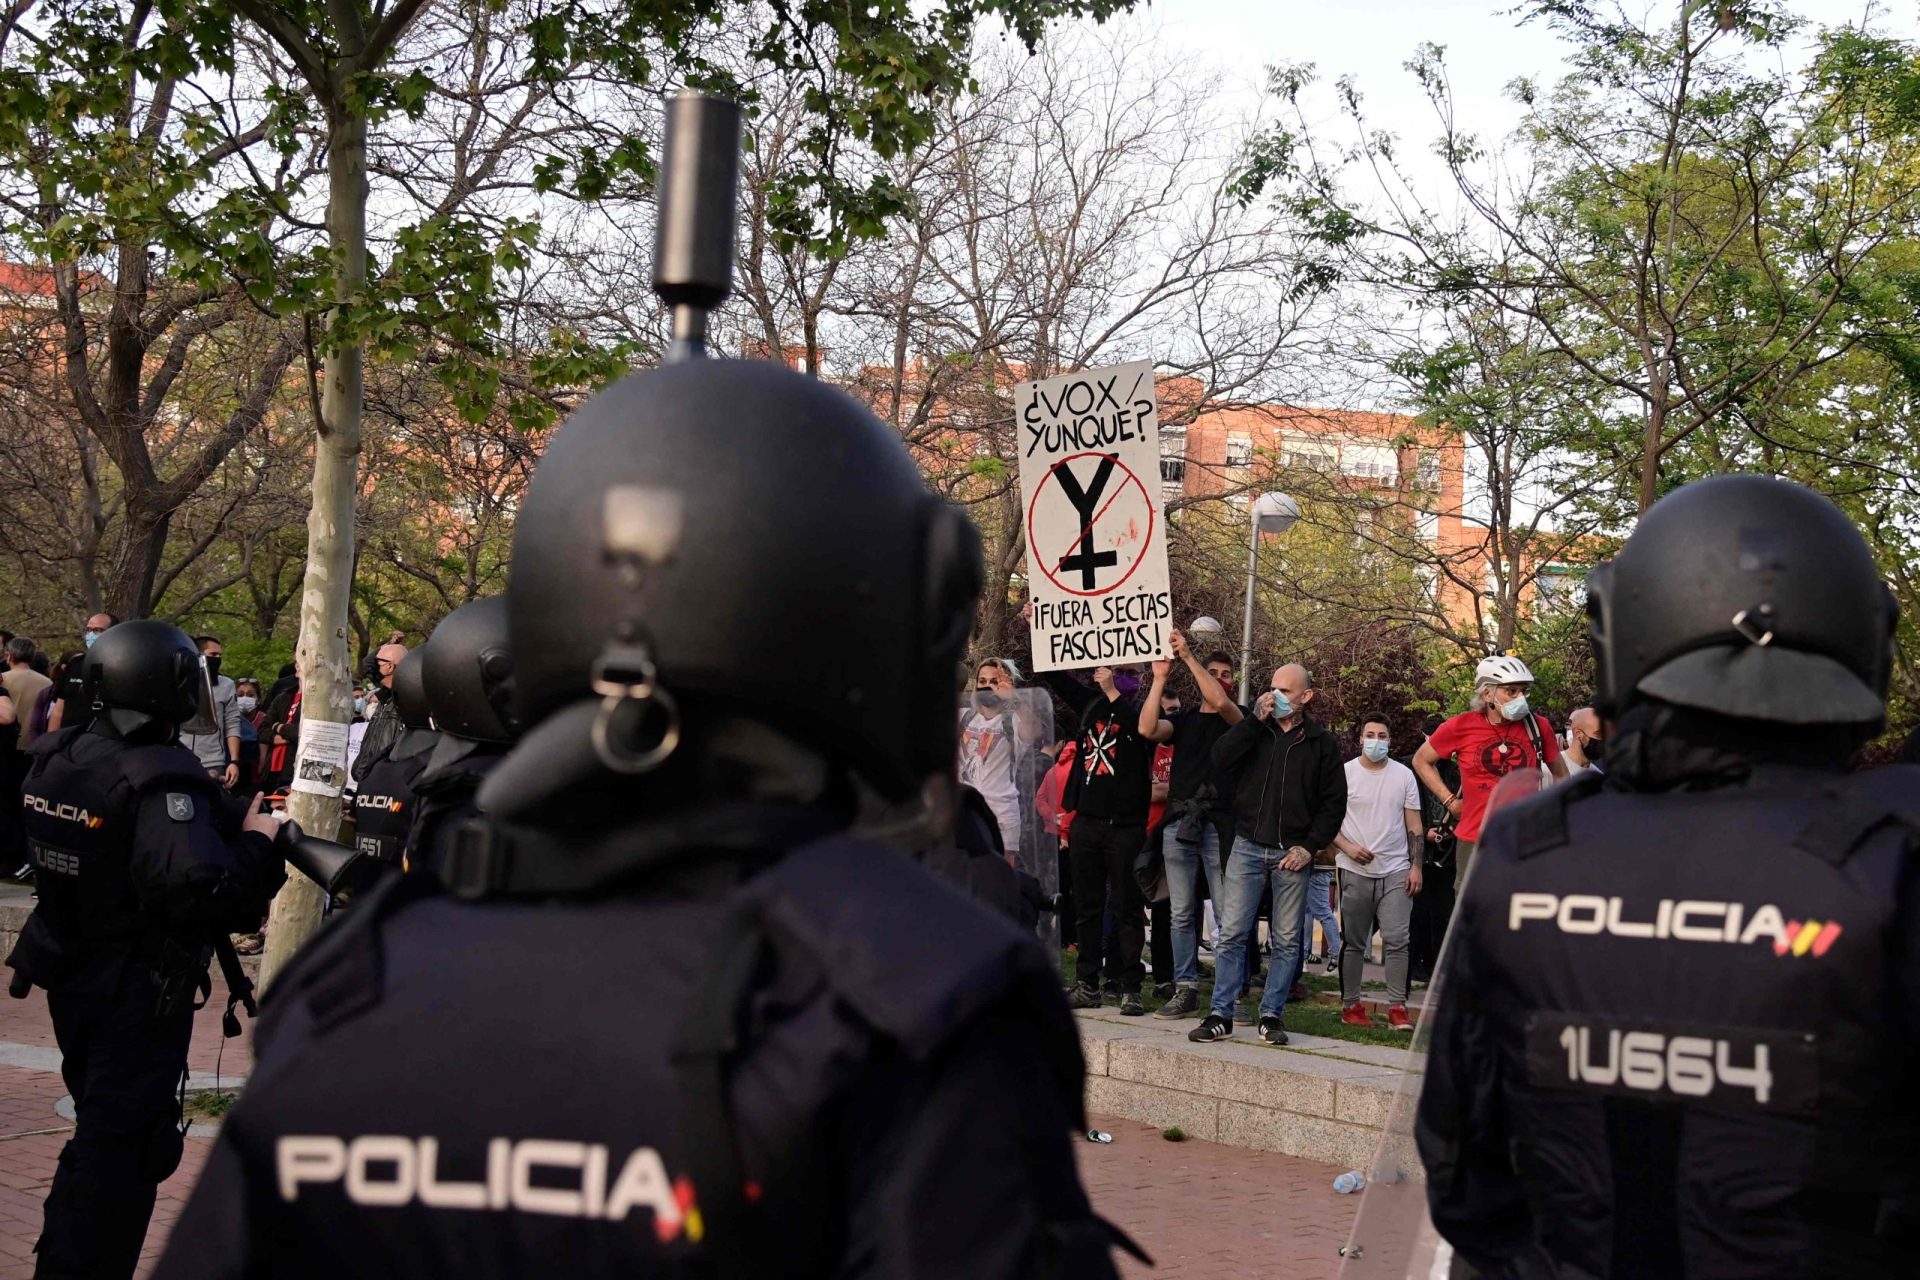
1101	855
1432	908
122	1062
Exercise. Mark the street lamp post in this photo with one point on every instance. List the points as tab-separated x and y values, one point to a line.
1271	513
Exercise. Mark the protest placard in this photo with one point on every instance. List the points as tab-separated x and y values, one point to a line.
1096	533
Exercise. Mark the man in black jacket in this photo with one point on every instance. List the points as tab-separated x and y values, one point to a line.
1289	798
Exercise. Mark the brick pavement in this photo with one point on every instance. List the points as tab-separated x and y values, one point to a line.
1197	1207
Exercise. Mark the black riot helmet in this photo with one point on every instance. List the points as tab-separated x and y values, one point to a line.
142	672
410	691
1748	597
466	666
732	538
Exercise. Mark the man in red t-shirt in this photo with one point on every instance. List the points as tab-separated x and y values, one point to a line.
1500	735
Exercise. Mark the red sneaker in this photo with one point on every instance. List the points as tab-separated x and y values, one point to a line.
1397	1019
1355	1015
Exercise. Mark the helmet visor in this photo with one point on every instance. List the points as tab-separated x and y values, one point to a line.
204	718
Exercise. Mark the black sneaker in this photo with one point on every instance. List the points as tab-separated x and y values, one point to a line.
1273	1031
1212	1027
1185	1003
1083	998
1164	991
1130	1005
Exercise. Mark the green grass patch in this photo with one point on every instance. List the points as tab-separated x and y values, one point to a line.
1309	1017
211	1104
1175	1134
1312	1019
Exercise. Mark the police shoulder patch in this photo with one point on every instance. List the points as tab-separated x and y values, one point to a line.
179	806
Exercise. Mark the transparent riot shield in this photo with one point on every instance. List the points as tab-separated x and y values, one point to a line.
1003	755
1393	1236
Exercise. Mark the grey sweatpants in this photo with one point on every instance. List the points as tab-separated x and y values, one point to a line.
1363	900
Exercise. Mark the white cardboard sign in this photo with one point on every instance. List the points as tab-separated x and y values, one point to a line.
1096	530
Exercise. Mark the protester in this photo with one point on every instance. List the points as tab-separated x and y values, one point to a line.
1108	791
71	708
1378	875
1199	811
1586	747
1434	906
282	735
218	751
1159	905
1497	735
24	685
999	738
1290	798
13	842
382	717
1057	821
246	702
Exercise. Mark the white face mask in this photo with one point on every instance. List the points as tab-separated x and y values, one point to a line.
1517	709
246	703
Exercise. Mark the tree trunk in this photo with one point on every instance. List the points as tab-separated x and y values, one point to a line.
326	678
130	590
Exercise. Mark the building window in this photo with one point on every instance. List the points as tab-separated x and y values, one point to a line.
1173	471
1375	462
1239	451
1428	474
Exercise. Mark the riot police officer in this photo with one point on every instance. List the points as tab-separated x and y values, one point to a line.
1680	1028
465	672
384	801
673	1015
144	866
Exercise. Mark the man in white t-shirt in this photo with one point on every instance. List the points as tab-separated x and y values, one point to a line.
1378	874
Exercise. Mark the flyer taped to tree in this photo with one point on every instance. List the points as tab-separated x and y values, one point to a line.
1096	532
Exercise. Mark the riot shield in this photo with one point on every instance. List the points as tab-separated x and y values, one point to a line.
1002	755
1393	1236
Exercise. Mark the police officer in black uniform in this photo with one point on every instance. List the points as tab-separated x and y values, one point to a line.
466	669
384	801
1681	1025
143	863
384	797
671	1015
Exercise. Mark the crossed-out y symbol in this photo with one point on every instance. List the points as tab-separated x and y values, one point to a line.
1085	502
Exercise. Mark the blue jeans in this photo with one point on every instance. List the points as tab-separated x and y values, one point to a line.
1183	902
1250	868
1320	907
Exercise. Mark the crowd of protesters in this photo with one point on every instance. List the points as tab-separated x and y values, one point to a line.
1182	823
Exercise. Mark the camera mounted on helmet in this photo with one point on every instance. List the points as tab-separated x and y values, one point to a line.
694	531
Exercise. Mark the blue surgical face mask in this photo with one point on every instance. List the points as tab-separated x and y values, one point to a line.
1375	749
359	706
89	638
1517	709
1282	705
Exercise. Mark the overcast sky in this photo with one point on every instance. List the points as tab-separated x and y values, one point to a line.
1371	40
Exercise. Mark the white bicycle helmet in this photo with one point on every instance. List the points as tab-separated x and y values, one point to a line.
1501	669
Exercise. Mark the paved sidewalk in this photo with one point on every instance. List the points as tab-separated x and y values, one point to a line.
1198	1208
